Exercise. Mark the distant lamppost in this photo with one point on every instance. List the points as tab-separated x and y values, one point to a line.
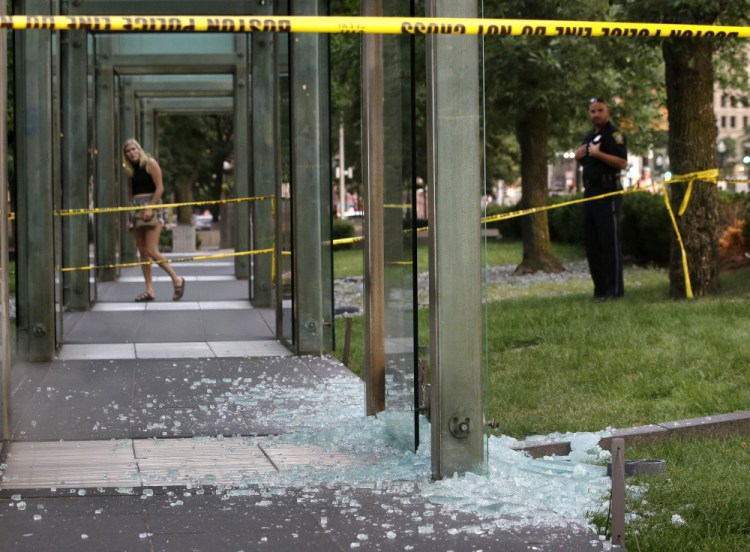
721	148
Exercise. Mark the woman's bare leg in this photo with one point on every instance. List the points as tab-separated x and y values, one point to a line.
140	243
152	248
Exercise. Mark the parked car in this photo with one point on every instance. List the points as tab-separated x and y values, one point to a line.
203	222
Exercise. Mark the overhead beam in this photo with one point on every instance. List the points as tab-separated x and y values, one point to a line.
183	89
175	106
162	7
172	64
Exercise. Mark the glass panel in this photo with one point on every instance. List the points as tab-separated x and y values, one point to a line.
57	190
285	247
487	199
7	273
399	294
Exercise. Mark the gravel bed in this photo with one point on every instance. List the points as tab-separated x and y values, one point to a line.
348	291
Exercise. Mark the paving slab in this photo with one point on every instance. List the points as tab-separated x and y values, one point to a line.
75	523
389	518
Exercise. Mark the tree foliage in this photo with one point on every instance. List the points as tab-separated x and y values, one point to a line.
537	87
346	106
690	81
192	151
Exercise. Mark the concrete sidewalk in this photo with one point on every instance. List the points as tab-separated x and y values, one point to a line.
187	426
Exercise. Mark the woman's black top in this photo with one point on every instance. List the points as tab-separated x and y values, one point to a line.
141	182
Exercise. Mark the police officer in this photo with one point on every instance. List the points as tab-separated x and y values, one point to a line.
603	154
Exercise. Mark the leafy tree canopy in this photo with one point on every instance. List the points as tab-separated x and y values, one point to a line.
559	74
193	148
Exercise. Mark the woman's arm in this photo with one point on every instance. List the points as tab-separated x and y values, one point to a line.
154	170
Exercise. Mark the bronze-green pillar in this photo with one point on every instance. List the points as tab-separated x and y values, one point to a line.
373	228
264	144
34	190
455	181
311	184
128	129
242	158
5	345
75	186
106	192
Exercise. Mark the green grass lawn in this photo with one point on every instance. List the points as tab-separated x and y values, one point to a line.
559	362
702	505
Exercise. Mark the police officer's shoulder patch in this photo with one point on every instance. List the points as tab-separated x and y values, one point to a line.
618	137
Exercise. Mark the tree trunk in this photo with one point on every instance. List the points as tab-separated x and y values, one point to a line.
692	147
184	185
532	139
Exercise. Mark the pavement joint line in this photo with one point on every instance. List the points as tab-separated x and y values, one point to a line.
173	350
130	306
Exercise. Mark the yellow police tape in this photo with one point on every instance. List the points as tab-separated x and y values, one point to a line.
175	260
369	25
710	175
98	210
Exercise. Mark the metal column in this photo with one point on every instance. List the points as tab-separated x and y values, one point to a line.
264	144
373	167
311	184
106	193
74	168
5	345
128	129
242	158
35	177
455	270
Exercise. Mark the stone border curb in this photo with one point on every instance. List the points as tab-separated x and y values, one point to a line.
736	423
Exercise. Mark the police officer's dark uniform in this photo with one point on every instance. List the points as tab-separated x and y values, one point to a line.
601	224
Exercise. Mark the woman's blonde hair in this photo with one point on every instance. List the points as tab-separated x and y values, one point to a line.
143	157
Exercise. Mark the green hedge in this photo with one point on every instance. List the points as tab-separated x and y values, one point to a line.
342	229
646	229
645	226
566	223
510	228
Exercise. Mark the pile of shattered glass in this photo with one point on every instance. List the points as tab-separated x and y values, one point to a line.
514	491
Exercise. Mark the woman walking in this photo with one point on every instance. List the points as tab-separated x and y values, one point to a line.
146	188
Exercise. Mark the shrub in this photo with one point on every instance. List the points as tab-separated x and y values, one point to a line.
746	228
732	206
510	228
646	229
566	223
165	240
342	229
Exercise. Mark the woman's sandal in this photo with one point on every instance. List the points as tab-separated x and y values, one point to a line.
143	297
179	291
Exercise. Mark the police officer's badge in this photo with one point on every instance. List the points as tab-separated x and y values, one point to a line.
618	137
